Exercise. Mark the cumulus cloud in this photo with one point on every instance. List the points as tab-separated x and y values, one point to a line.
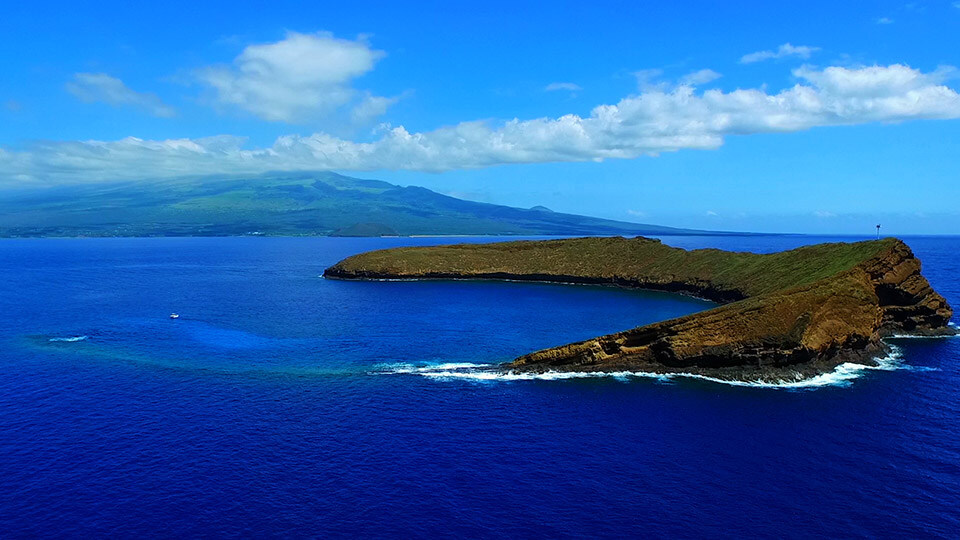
699	77
648	123
298	79
884	20
100	87
783	51
568	86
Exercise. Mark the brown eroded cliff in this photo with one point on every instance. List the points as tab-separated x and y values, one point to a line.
799	311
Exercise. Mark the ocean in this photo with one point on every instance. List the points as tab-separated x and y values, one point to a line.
282	404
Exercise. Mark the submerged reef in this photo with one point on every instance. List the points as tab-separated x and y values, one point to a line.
794	313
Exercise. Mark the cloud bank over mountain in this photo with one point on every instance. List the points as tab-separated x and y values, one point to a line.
663	118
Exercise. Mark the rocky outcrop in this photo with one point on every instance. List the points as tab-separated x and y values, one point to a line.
801	311
908	302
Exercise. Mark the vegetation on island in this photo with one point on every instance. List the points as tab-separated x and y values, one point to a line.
790	313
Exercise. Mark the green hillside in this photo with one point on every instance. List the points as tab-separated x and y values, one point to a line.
320	203
731	275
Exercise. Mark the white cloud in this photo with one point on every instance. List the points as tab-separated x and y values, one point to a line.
644	124
702	76
298	79
884	20
637	213
783	51
370	107
568	86
824	214
100	87
648	80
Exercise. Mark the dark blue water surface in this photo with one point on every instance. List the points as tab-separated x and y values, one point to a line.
283	404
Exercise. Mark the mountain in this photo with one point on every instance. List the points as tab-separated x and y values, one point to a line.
318	203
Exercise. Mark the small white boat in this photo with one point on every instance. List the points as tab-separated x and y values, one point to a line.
174	315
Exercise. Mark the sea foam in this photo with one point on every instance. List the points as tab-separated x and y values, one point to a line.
69	339
842	375
917	336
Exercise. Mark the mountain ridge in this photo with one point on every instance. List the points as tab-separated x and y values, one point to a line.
282	204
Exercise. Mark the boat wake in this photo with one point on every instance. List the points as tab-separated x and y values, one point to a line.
843	375
68	339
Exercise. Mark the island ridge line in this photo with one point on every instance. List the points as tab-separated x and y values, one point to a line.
791	314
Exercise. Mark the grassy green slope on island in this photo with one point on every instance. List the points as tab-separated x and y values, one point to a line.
633	259
804	310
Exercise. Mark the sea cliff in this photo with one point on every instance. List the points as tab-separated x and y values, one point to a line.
793	313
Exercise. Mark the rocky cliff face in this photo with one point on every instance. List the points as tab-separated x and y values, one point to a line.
802	311
807	329
909	303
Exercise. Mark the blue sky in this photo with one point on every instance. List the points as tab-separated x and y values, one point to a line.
807	117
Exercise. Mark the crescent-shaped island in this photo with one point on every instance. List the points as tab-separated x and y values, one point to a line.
785	315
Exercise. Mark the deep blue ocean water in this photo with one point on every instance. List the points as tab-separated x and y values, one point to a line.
283	404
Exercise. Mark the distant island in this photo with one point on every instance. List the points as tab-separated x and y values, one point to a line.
281	204
790	314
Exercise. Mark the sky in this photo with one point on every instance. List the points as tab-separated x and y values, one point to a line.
817	117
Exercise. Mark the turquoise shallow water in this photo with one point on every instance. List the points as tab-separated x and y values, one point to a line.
281	403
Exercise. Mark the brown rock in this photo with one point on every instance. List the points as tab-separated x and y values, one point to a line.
802	311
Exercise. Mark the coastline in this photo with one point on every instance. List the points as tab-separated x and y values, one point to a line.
790	315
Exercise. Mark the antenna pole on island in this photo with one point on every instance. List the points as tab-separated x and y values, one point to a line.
878	232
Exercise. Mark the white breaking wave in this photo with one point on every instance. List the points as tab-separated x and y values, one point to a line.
69	339
842	375
412	369
915	336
